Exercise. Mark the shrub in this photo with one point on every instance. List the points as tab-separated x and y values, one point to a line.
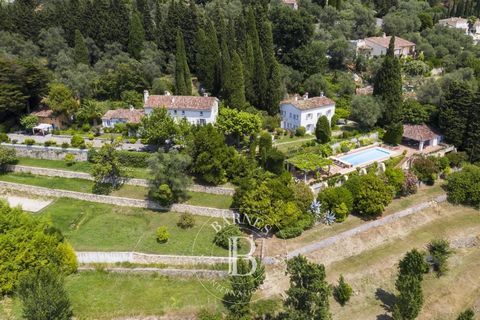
133	158
463	186
439	252
426	170
91	136
456	158
7	156
395	178
342	292
29	142
410	184
186	221
49	143
162	234
14	141
86	127
77	141
346	146
132	140
337	200
300	132
69	159
468	314
394	134
289	232
65	145
92	155
4	137
163	195
222	237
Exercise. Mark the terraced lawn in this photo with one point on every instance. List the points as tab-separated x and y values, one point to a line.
127	191
101	227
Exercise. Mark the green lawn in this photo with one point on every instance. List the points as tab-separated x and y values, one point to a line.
81	166
127	191
100	295
101	227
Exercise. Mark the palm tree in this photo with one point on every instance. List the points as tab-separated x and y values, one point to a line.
90	110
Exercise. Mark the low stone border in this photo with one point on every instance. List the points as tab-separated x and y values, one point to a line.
365	227
86	176
145	258
47	153
118	201
187	273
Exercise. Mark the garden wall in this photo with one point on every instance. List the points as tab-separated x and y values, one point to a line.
86	176
47	153
118	201
197	273
144	258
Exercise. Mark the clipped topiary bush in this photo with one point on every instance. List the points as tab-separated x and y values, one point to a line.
342	292
69	159
186	221
162	234
77	141
29	142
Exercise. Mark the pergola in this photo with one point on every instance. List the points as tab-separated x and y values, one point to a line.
309	162
421	134
43	128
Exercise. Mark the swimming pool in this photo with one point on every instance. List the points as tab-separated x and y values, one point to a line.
366	156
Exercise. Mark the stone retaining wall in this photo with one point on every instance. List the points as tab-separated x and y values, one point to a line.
187	273
118	201
47	153
143	258
86	176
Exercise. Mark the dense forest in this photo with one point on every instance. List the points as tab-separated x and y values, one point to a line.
83	57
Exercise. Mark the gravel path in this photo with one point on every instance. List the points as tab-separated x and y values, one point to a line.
365	227
28	204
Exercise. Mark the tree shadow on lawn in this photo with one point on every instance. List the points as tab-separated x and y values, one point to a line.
387	299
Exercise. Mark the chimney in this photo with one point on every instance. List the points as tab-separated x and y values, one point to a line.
131	107
167	93
305	96
145	96
296	97
321	94
384	35
205	94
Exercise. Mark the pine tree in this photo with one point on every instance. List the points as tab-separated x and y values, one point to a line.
236	86
80	50
388	86
183	81
136	36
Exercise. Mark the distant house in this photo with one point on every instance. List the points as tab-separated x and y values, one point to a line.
377	46
291	3
48	116
455	22
196	110
421	136
305	111
113	117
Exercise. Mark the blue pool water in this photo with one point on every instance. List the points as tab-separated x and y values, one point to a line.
364	156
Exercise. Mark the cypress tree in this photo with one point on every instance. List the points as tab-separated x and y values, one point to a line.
120	22
322	130
170	26
388	86
273	93
236	86
183	81
136	36
208	57
146	17
248	71
472	134
226	70
200	56
80	50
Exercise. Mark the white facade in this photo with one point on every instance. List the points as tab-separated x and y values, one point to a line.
192	115
293	117
110	123
379	50
457	23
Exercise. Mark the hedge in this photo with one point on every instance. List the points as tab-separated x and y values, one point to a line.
133	158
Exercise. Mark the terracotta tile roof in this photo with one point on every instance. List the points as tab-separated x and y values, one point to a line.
43	113
181	102
385	41
290	1
418	132
453	21
131	115
309	103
